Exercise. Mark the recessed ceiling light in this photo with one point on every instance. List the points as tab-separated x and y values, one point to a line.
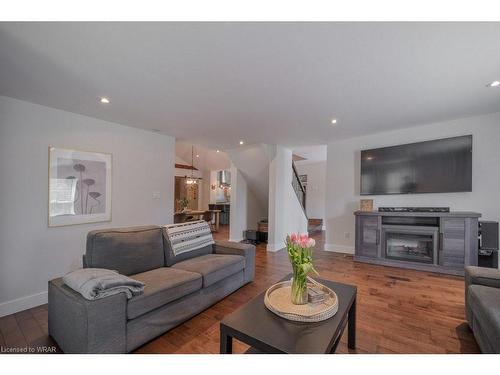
241	142
197	155
217	151
493	84
104	100
334	121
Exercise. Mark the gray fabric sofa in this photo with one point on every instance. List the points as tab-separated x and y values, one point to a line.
177	288
482	303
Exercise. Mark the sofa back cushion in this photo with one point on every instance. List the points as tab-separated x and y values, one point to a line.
127	250
186	240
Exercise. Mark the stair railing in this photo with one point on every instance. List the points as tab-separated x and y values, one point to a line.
299	188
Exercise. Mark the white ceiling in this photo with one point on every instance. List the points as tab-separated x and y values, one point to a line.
217	83
311	154
208	160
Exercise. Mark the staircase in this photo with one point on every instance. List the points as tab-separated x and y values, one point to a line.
268	186
313	225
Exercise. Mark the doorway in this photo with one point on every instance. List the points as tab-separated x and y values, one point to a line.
185	191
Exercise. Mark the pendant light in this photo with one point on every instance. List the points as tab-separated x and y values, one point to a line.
192	180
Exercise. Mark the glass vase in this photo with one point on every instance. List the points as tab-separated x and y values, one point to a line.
299	287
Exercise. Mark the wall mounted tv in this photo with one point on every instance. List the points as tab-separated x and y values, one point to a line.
438	166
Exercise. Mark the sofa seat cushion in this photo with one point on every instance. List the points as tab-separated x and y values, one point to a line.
485	303
213	267
163	285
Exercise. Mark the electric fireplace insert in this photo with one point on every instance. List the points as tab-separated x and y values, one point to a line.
411	243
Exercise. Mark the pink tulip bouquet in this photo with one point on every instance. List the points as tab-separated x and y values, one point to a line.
299	247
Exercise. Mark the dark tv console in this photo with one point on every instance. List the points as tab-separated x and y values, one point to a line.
434	241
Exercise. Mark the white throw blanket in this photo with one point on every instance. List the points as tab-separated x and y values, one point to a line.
95	283
189	236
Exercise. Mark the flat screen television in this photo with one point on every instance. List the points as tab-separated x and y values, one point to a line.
438	166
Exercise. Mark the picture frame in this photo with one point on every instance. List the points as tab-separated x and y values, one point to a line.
366	205
79	187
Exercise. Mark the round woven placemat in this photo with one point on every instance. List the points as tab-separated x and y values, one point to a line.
277	299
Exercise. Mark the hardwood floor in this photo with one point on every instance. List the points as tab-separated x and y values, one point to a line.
398	311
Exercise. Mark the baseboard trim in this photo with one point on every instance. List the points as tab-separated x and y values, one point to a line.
339	248
274	247
23	303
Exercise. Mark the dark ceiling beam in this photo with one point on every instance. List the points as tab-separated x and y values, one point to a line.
184	166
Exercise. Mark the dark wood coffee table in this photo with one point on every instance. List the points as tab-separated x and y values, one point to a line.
266	332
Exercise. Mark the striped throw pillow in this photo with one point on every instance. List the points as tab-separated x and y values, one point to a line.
186	237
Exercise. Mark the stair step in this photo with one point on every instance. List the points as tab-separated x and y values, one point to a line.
315	225
315	221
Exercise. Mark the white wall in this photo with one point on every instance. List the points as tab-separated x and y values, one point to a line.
206	191
249	187
256	211
253	162
316	181
343	174
246	210
30	252
285	212
239	204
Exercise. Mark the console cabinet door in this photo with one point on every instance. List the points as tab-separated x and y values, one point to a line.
367	236
452	243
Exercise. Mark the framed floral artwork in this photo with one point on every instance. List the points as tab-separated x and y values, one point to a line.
79	187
